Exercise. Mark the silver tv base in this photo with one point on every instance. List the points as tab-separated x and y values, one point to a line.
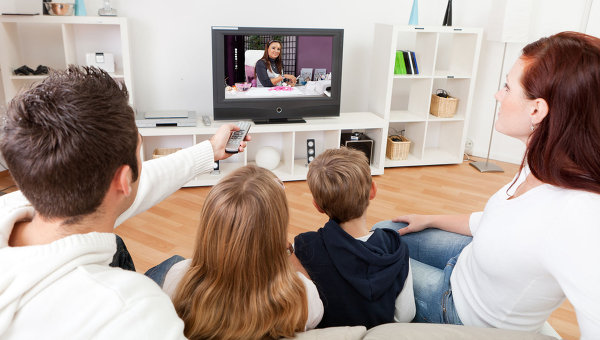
485	166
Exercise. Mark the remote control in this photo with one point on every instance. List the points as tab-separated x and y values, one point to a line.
206	120
233	144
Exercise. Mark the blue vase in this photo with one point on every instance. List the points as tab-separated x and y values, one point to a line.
414	13
80	8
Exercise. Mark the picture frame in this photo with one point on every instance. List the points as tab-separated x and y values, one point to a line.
305	75
320	72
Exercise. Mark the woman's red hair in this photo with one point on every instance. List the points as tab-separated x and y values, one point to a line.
564	149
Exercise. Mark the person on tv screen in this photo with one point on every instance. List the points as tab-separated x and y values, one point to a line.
269	69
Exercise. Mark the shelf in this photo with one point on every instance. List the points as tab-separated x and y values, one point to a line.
450	75
44	76
411	160
448	59
405	116
30	78
433	118
411	76
49	19
440	156
59	41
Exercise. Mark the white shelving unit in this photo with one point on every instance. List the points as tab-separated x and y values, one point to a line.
447	58
288	139
58	41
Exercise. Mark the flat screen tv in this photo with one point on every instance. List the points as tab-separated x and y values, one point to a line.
303	80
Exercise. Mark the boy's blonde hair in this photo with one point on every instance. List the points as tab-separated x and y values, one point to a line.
340	182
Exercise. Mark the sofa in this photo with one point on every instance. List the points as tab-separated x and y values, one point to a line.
417	331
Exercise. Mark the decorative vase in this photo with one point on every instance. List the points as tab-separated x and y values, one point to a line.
414	13
448	15
80	8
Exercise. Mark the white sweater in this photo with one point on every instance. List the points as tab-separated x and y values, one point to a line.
315	305
527	254
66	290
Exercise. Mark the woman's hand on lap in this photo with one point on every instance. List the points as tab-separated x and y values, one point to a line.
415	223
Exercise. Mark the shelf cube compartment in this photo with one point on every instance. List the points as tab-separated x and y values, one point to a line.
456	53
410	99
282	142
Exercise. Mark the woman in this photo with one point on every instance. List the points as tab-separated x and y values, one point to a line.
536	240
240	282
269	69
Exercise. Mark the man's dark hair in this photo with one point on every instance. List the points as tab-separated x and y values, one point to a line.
65	138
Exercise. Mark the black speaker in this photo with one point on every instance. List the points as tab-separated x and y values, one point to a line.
216	168
310	150
358	141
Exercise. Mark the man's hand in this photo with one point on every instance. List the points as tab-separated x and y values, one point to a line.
220	138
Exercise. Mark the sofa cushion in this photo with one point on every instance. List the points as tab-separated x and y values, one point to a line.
415	331
341	333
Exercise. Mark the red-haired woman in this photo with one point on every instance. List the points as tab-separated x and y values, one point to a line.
535	243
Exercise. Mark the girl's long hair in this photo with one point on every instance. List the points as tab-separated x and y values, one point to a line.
564	70
240	284
278	61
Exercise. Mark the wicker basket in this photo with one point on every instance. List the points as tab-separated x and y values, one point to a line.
397	150
443	107
160	152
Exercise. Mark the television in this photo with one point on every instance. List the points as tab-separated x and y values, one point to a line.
312	56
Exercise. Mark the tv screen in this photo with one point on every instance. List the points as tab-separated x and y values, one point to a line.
276	75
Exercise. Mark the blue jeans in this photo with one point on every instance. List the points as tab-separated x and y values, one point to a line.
433	254
159	272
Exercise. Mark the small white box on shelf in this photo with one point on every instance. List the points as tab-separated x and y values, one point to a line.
105	61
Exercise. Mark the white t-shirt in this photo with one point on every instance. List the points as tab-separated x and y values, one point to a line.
405	302
527	253
315	305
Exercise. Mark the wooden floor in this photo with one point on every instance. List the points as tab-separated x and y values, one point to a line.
169	228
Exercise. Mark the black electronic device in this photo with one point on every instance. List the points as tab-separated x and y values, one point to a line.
216	168
310	150
235	51
358	141
236	138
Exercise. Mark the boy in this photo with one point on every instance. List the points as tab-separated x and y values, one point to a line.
363	277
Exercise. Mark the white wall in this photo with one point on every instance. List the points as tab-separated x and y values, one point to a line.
171	47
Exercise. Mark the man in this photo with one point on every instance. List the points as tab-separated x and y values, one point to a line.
72	147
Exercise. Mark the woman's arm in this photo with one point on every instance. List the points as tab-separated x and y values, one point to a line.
291	79
261	73
454	223
276	80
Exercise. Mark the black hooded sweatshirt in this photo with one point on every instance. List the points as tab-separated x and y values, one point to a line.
358	281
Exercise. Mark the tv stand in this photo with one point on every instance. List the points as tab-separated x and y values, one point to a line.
279	121
289	140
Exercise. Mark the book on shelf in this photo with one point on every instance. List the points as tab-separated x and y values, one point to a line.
406	56
414	62
399	65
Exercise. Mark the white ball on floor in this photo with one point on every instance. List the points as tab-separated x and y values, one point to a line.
268	157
